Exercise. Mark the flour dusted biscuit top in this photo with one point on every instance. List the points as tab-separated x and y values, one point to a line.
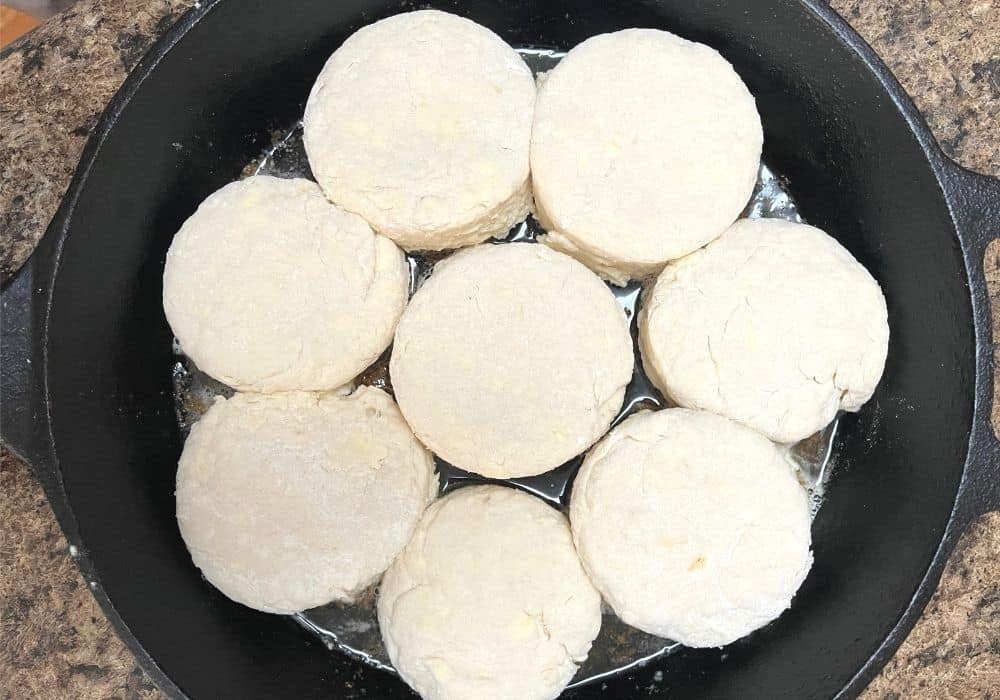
645	147
290	501
511	359
693	527
269	287
488	600
421	123
774	325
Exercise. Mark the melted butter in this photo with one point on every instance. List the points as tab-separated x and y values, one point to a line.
353	629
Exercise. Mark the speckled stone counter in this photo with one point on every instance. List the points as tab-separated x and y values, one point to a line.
54	640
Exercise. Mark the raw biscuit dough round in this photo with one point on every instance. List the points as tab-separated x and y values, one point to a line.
645	147
421	124
511	359
289	501
488	600
269	287
774	325
693	527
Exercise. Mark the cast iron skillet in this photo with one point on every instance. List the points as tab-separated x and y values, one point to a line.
86	352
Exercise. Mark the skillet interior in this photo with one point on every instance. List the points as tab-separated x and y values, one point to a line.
853	164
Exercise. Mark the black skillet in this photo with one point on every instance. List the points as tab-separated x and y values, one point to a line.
87	396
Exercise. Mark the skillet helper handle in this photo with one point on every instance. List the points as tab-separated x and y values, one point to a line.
976	212
24	417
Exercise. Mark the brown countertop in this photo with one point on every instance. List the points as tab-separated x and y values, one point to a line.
54	640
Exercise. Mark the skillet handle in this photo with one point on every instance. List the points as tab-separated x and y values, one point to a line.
24	416
975	201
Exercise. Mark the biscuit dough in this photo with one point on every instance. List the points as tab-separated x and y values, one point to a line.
290	501
511	359
692	526
488	600
645	147
268	287
421	124
774	325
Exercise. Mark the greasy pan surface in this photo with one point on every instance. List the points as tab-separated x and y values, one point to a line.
856	162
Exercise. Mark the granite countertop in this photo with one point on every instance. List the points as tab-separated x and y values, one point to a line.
54	640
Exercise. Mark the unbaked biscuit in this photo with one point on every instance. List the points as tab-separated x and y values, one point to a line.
269	287
645	147
693	527
421	124
290	501
511	359
775	325
488	600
